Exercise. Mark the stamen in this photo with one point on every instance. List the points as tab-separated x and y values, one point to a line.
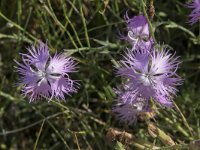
40	81
132	36
138	106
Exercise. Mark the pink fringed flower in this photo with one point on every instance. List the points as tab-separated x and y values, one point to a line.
150	74
128	113
138	32
43	76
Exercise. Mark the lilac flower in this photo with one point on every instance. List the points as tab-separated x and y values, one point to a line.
129	113
150	74
43	76
138	32
195	14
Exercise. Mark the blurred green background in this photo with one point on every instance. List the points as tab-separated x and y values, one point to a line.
89	31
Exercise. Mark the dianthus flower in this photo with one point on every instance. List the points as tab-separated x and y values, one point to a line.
138	32
150	74
44	76
195	14
129	113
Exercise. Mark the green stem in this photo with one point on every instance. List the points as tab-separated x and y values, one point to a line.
199	33
19	27
184	119
149	22
84	24
40	131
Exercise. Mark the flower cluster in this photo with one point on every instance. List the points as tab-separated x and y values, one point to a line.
150	73
195	14
44	76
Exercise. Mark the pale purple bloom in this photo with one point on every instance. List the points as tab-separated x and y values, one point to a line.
129	113
138	25
195	14
138	32
44	76
150	74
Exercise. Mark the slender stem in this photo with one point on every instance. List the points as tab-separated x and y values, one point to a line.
50	11
84	24
184	119
199	33
32	124
60	105
18	26
77	141
40	131
149	22
54	128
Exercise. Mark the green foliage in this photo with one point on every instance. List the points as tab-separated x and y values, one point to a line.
119	146
89	32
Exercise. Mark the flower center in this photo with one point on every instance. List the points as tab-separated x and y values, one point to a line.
43	77
42	74
138	106
146	79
